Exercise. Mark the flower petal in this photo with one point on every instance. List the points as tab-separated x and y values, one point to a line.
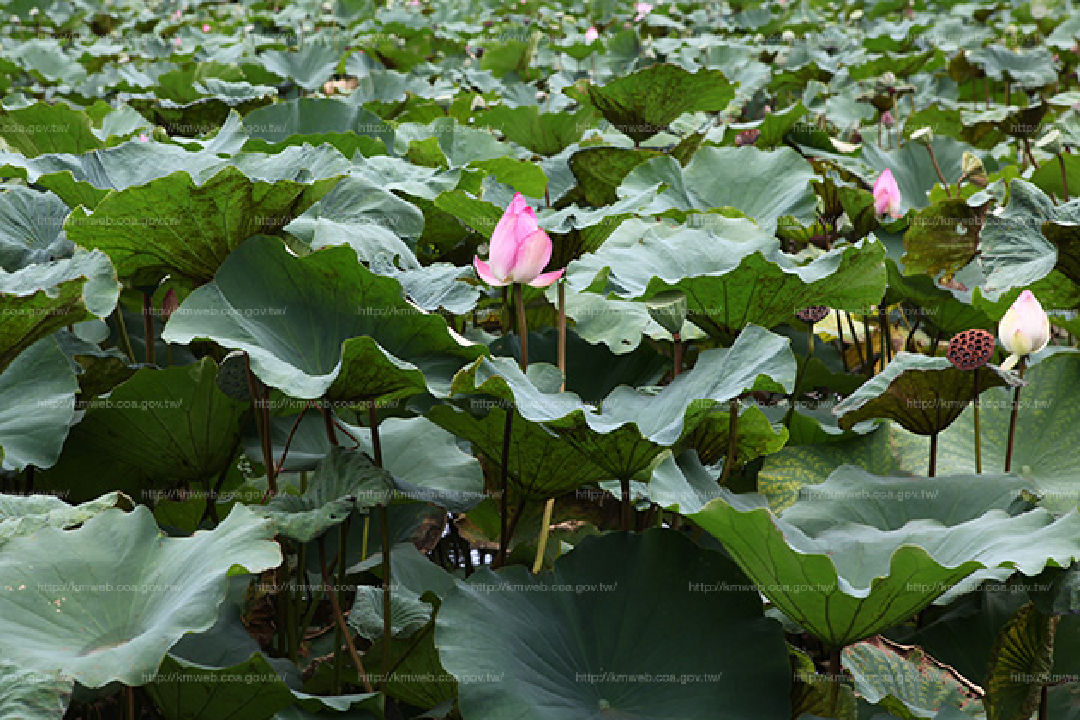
545	279
516	224
533	255
483	270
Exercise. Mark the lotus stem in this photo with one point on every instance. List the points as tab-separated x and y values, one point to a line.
364	538
932	469
855	339
1064	179
733	440
129	697
937	169
1030	157
523	330
840	338
869	347
262	424
545	530
504	486
384	522
886	334
562	333
342	628
677	352
1008	93
125	339
288	441
148	326
624	486
1012	418
835	672
1044	704
978	432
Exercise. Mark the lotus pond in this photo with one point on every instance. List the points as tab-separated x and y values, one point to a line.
536	360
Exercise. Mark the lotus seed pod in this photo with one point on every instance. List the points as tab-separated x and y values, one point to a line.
812	314
232	377
971	349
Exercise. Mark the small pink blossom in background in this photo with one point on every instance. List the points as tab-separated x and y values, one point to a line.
143	137
591	34
519	249
642	9
887	119
177	42
178	14
206	27
887	194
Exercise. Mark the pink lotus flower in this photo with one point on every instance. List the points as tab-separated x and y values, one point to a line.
206	27
887	194
1024	329
642	9
519	250
591	35
178	14
143	137
177	42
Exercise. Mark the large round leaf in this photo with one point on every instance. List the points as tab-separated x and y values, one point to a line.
37	406
40	299
174	226
321	323
844	581
158	429
105	602
624	626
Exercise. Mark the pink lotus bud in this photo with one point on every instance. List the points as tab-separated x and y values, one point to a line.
519	249
178	14
1024	329
887	119
169	304
206	27
143	137
591	35
177	42
642	9
887	194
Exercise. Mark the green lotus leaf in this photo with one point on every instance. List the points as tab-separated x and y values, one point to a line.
460	144
1043	451
844	582
646	102
322	324
40	299
942	237
1029	67
368	218
30	224
924	394
174	226
545	133
601	170
105	602
30	695
160	428
733	274
47	128
935	307
558	647
308	66
184	690
22	515
780	185
407	613
913	169
542	464
1023	653
909	685
37	406
1014	250
316	120
344	481
757	360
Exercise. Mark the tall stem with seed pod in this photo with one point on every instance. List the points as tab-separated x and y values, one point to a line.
969	351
